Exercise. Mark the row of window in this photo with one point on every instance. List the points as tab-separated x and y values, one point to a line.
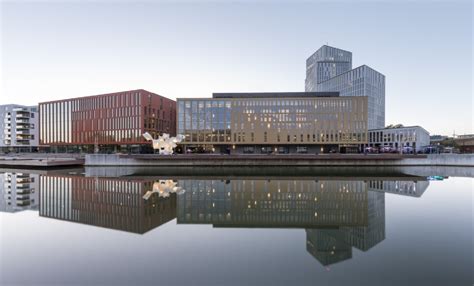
108	100
330	137
106	113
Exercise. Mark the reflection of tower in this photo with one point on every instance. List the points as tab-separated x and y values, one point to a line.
366	237
110	203
328	246
19	191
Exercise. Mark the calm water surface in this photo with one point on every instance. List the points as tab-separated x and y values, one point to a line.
313	226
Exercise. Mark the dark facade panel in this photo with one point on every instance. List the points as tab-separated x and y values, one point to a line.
273	94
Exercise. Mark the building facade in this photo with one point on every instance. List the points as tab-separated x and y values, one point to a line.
415	137
273	122
20	128
106	122
330	69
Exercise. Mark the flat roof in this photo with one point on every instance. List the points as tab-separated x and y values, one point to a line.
397	128
104	94
359	67
274	94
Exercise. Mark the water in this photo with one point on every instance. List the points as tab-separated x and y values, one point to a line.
273	226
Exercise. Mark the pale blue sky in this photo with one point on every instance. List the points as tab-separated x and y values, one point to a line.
59	49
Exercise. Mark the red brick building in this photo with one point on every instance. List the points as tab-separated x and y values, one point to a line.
107	122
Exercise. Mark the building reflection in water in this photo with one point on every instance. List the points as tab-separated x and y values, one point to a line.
336	214
110	203
400	187
18	191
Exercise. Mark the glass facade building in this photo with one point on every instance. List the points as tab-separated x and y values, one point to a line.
109	119
330	69
273	122
324	64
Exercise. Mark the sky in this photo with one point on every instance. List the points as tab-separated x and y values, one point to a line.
63	49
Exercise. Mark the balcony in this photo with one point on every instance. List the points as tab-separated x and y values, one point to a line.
24	126
24	120
23	137
23	191
23	186
22	180
20	109
22	115
25	202
23	132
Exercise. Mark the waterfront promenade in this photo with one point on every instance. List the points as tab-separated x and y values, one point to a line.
280	160
42	160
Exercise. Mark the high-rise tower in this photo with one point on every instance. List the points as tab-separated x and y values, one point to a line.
330	69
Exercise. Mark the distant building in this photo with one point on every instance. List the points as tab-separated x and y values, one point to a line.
330	69
18	191
399	136
465	143
437	139
107	122
19	128
290	122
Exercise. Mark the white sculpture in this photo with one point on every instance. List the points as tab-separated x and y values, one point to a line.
165	144
164	188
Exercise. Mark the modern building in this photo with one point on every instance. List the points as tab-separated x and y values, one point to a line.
19	126
330	69
289	122
107	122
18	191
399	136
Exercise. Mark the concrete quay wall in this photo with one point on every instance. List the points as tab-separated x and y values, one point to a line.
461	160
